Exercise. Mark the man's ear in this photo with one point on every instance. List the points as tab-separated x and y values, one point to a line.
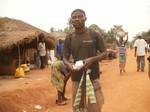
85	18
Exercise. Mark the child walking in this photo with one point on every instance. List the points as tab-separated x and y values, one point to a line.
122	52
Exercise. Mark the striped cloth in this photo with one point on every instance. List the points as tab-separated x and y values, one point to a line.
122	50
89	93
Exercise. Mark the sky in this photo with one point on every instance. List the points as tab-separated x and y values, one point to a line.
133	15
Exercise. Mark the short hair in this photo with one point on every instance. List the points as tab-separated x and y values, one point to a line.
139	36
41	36
80	10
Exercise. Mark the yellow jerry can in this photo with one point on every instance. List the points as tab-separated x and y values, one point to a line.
19	72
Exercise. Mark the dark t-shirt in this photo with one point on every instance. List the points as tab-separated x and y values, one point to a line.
82	46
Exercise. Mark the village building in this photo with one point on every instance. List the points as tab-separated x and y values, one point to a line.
18	44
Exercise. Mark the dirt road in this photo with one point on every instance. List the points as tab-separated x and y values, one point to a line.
129	92
126	93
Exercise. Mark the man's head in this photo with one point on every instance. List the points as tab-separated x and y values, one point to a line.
41	37
60	41
139	37
78	18
78	10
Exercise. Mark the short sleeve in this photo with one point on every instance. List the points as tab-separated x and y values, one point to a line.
146	44
135	44
67	45
100	43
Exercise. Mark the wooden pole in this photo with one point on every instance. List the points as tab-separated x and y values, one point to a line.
19	55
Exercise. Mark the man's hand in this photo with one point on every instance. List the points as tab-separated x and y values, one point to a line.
134	54
109	54
87	62
78	65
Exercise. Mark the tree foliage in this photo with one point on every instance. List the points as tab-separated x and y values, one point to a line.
99	30
69	27
145	35
113	32
52	29
109	37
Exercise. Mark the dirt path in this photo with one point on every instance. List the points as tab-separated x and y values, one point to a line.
126	93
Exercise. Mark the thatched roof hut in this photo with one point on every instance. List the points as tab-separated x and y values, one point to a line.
16	35
14	32
59	35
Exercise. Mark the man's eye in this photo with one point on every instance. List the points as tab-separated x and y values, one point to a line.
80	16
74	17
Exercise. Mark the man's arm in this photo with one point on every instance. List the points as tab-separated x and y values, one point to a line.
135	51
67	53
146	47
100	46
67	62
135	47
146	50
127	38
117	40
89	61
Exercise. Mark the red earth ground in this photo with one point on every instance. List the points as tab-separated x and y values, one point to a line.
129	92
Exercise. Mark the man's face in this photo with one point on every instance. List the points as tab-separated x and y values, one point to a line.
78	19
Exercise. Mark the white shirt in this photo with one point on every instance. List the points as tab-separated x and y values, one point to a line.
141	45
42	49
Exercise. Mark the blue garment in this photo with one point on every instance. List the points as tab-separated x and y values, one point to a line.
60	48
122	50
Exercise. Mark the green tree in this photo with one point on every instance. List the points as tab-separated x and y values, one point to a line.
69	27
145	35
99	30
113	32
52	29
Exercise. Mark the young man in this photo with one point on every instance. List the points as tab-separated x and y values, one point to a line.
140	46
83	45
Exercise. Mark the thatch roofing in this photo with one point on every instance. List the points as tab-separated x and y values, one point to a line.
59	35
14	32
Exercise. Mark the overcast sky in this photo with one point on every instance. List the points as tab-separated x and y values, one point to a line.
134	15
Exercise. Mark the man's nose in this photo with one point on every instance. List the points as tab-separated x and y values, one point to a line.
77	18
